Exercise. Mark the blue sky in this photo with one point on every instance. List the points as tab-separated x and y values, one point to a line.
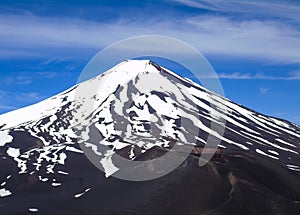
254	46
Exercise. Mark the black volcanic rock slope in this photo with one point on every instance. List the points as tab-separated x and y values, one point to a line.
140	112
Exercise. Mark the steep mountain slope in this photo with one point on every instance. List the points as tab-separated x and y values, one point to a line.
140	111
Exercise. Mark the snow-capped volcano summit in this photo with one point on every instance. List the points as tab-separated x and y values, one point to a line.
134	110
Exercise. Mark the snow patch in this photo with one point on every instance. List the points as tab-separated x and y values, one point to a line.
13	152
4	192
265	154
33	209
81	194
5	137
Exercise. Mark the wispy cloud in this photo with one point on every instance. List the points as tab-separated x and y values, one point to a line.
13	100
267	9
21	80
27	78
20	96
29	97
263	90
258	76
38	72
41	36
7	107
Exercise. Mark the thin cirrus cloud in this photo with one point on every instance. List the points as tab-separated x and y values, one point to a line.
7	107
31	96
27	78
279	9
263	90
294	75
258	76
32	36
8	99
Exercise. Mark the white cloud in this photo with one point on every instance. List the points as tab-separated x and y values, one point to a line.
6	107
14	100
29	97
30	36
8	100
280	9
257	76
295	75
37	74
263	90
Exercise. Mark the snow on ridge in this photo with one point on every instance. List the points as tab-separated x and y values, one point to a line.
133	76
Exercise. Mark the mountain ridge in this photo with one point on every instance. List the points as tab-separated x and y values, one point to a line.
140	110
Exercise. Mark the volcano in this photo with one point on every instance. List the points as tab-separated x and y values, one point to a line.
60	156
